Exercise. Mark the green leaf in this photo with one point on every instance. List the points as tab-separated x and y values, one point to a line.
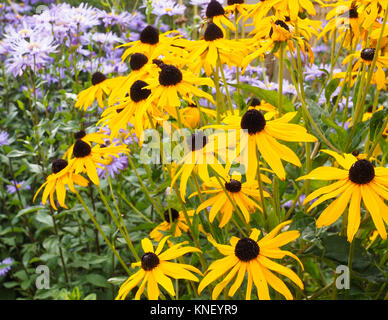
376	123
269	96
97	280
330	88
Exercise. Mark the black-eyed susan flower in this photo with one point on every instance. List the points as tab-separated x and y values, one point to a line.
365	57
156	269
57	181
214	46
245	196
101	87
174	220
215	13
191	115
359	180
261	133
271	31
346	20
118	117
96	137
201	152
87	158
248	256
151	43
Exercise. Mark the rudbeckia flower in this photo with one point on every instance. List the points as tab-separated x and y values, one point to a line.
151	43
57	181
88	159
253	257
156	269
214	46
101	87
270	31
215	13
359	180
245	196
346	19
142	68
97	137
202	151
191	115
177	223
118	117
366	56
261	133
236	6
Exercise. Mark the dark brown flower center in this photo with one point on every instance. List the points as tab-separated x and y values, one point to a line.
58	165
368	54
149	261
169	75
253	121
149	35
97	78
174	215
352	13
246	249
232	2
361	172
198	141
137	92
233	185
80	134
138	60
254	102
282	24
213	32
81	149
214	8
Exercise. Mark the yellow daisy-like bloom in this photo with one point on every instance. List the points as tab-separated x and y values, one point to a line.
177	223
88	159
214	46
171	85
200	153
216	14
261	133
155	270
142	68
57	181
97	137
242	195
373	9
359	180
191	115
151	43
252	257
271	31
366	56
119	116
239	6
101	87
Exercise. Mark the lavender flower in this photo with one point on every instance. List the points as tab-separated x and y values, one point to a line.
4	138
5	266
11	188
114	168
167	7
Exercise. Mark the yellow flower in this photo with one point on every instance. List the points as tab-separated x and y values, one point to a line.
359	180
366	56
57	181
245	196
252	257
156	269
101	87
261	133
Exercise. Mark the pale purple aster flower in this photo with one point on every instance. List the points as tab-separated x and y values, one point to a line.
322	48
4	138
167	7
114	168
5	266
11	188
